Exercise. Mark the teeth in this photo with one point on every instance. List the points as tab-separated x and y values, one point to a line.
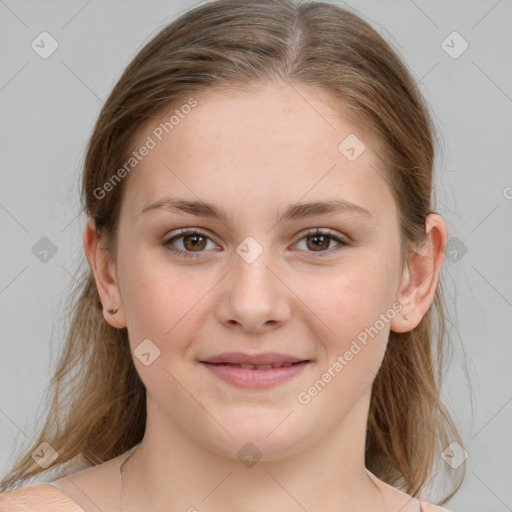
259	366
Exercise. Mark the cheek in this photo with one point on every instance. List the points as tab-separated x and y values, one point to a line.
163	302
349	299
147	294
354	307
163	308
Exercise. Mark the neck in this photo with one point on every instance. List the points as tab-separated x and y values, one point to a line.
169	470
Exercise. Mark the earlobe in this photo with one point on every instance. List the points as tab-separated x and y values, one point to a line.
420	277
104	275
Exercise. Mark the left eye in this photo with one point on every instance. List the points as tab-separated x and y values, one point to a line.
321	241
195	241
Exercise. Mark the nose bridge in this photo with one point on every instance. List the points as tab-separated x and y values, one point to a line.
251	267
254	295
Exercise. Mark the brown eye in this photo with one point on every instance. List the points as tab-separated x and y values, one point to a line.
319	241
194	242
191	241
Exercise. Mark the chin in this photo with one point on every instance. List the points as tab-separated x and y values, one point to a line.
258	434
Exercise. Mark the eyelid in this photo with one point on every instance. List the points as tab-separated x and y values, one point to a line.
322	231
188	231
340	238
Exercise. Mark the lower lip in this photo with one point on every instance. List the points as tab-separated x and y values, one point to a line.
255	379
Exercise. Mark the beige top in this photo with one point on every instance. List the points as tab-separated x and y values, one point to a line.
47	498
37	498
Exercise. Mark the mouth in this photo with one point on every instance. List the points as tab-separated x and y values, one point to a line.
257	366
257	371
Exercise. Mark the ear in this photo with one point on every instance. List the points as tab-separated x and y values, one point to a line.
420	276
104	275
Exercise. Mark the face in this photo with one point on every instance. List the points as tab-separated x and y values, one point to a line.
314	288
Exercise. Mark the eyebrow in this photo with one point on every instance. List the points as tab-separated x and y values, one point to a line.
293	212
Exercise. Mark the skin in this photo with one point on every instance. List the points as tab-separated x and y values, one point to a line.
253	154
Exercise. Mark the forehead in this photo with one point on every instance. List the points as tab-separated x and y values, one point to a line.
274	143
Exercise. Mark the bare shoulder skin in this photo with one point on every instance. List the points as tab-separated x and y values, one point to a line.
94	489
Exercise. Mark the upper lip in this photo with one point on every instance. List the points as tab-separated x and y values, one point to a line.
256	359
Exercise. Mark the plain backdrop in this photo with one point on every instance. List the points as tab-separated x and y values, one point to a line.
49	106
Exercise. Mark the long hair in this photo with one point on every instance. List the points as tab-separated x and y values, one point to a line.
97	407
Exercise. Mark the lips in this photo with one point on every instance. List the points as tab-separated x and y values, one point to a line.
278	369
264	361
256	366
256	371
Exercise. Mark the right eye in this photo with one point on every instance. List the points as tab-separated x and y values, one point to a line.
192	239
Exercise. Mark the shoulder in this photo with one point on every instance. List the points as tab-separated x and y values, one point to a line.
69	493
429	507
36	498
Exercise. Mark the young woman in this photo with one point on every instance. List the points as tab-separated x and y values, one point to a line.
254	328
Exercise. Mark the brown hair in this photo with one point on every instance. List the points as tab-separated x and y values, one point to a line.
98	402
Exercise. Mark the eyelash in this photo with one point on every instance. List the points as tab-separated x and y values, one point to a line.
306	234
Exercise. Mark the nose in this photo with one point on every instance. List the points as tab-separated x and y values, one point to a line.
253	296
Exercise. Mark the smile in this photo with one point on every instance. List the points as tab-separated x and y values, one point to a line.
252	376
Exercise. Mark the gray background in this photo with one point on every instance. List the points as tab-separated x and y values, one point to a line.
49	107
